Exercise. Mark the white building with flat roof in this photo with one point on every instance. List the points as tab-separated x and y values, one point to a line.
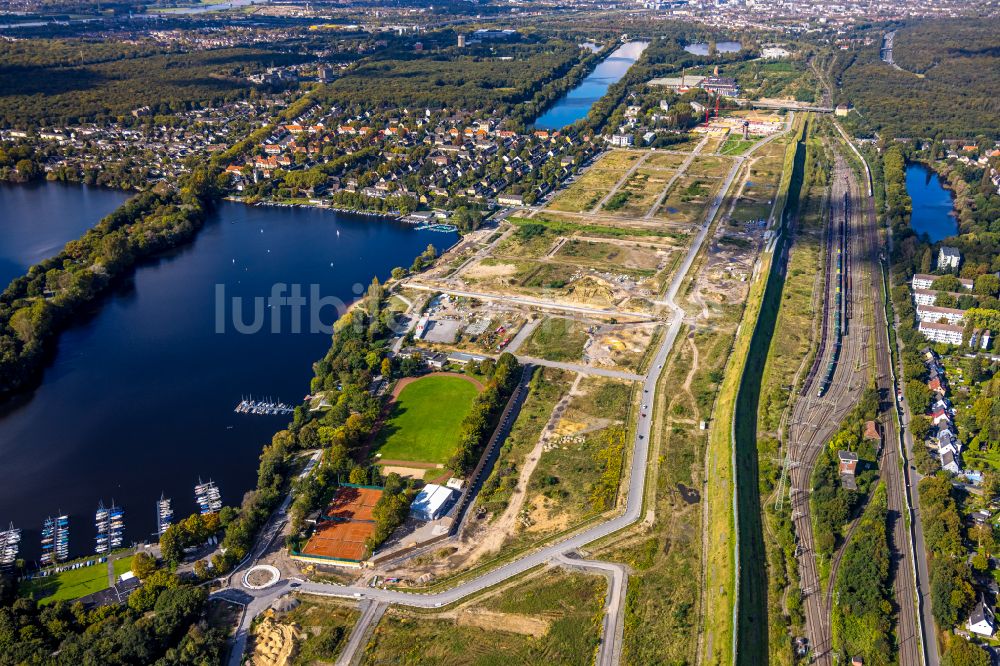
946	333
933	313
432	502
622	140
925	280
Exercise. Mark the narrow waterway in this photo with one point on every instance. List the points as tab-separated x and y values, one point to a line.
139	397
752	634
577	102
36	220
933	206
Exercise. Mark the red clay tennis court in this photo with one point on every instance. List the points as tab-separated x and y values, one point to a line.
343	541
353	503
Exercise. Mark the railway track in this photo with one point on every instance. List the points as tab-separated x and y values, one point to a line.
816	417
908	630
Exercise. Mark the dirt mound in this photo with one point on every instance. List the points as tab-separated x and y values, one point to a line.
274	644
518	624
590	289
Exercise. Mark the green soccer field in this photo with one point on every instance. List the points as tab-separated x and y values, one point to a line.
425	420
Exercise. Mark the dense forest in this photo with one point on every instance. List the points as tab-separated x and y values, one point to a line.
484	78
945	89
862	618
164	623
58	82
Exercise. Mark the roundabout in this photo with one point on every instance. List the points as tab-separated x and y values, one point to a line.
261	577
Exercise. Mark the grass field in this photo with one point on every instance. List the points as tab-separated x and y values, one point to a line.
643	188
571	605
525	246
425	419
688	199
596	182
668	161
736	145
605	255
709	166
557	339
67	585
547	386
122	565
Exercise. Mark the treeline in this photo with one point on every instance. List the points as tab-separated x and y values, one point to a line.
163	624
402	205
23	162
952	594
390	511
833	505
954	95
35	307
193	531
556	87
484	414
862	620
889	174
42	90
982	421
454	79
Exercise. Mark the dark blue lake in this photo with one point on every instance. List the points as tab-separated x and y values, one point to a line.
577	102
933	207
37	220
139	397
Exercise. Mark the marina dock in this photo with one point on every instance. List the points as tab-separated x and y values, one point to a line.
10	544
110	525
164	515
208	497
268	407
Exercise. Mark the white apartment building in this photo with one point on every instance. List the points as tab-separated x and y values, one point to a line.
925	280
946	333
933	313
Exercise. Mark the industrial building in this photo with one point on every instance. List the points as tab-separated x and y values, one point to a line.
721	85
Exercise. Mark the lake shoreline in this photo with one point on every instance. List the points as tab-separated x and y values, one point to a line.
148	351
934	174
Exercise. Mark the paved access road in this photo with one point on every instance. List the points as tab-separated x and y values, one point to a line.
530	302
